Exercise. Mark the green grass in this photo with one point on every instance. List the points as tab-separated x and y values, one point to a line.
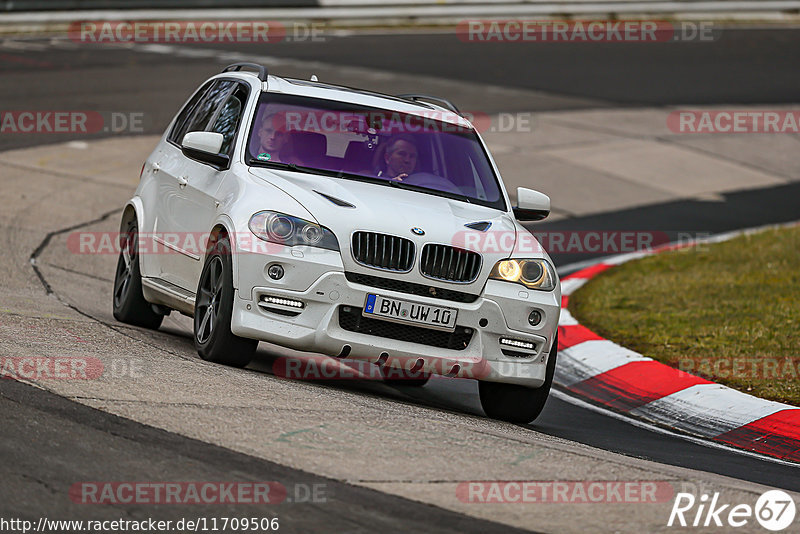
729	312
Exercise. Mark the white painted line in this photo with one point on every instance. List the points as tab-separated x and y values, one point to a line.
157	48
63	43
195	52
10	44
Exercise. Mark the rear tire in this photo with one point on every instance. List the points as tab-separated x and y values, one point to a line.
213	310
518	404
128	301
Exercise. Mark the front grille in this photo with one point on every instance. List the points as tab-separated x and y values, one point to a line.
350	319
410	287
444	262
381	251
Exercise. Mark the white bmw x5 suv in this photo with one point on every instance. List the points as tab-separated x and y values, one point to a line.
344	222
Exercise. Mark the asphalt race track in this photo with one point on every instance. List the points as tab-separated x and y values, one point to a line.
743	66
50	442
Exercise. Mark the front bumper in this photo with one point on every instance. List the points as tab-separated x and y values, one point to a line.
500	312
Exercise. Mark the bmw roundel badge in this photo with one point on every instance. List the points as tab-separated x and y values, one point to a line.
418	231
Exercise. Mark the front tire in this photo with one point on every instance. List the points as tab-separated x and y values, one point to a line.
213	310
518	404
128	301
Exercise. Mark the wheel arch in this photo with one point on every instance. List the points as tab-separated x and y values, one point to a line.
132	211
224	227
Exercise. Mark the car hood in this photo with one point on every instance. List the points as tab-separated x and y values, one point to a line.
394	211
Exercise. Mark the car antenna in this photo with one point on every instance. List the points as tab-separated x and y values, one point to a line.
314	78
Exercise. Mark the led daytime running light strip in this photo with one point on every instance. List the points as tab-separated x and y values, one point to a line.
519	344
283	302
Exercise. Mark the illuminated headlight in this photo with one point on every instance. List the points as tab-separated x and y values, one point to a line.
290	231
533	274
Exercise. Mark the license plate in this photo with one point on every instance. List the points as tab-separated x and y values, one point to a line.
404	311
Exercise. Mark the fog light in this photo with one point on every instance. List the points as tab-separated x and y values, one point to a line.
275	272
535	318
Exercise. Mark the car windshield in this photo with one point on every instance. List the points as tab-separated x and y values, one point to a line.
414	151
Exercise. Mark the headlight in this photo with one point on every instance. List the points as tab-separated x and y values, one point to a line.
533	274
290	231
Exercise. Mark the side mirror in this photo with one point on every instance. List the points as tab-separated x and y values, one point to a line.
531	205
205	147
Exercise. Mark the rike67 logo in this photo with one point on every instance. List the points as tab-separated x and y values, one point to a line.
774	510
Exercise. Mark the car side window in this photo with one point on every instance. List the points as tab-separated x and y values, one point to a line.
210	103
229	117
182	122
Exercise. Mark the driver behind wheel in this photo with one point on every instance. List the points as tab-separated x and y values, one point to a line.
272	141
399	159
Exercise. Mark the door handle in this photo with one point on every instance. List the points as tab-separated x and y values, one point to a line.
182	181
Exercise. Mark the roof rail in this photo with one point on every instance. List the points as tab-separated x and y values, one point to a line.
262	70
435	99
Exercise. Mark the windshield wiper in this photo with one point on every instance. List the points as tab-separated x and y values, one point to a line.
400	185
312	170
287	166
430	191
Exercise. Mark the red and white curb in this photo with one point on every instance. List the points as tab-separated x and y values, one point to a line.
625	381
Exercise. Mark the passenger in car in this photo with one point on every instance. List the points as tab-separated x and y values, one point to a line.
398	159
